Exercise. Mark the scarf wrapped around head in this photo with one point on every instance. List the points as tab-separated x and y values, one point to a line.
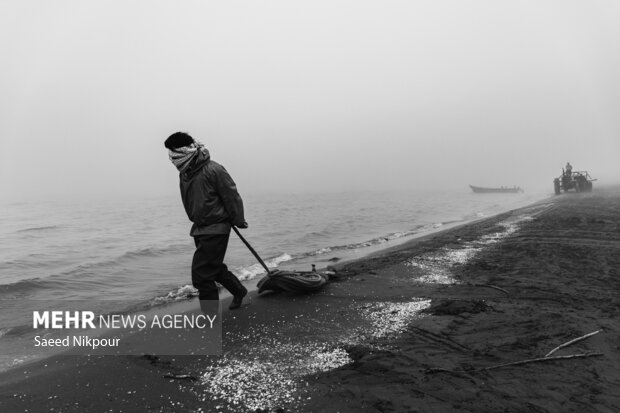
183	156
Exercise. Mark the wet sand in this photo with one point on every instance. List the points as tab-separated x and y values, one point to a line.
413	328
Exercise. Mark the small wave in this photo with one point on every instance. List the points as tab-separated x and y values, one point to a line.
19	288
182	293
320	251
44	228
154	251
32	261
138	253
376	241
274	262
247	273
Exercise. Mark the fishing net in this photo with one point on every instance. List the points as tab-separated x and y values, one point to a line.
293	281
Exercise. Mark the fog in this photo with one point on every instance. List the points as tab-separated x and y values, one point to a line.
307	96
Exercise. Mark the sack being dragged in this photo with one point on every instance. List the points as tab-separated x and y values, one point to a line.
294	281
291	281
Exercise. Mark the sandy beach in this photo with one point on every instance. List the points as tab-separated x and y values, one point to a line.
427	326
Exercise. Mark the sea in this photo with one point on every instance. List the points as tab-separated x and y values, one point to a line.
139	252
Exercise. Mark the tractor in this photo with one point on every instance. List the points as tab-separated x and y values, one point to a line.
580	181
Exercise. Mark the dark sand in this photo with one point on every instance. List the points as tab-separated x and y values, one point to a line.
504	289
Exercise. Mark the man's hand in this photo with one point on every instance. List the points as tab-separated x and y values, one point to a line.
243	225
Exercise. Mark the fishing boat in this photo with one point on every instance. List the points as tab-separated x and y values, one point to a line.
501	189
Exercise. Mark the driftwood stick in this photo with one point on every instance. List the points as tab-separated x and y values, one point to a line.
489	286
568	343
516	363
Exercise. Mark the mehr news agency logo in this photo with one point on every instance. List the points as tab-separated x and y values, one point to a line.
61	320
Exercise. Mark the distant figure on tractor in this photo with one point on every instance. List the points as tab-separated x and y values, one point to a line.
580	182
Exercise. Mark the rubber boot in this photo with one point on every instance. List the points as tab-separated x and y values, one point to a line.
234	286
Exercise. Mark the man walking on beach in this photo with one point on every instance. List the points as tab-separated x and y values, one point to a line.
213	204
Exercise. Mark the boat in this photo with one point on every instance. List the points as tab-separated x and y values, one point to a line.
500	190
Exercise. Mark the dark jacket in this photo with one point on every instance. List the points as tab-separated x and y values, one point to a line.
210	197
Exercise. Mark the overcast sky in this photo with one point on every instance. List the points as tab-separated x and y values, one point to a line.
307	95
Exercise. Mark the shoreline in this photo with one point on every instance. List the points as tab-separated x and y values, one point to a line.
329	323
142	274
180	304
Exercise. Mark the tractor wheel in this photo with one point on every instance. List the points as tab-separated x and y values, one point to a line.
589	186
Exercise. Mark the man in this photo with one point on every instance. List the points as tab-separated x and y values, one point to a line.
213	204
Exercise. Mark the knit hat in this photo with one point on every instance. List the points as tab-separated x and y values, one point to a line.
178	140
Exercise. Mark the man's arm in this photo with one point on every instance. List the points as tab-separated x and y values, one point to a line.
227	190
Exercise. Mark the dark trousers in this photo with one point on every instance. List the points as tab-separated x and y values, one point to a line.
208	267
